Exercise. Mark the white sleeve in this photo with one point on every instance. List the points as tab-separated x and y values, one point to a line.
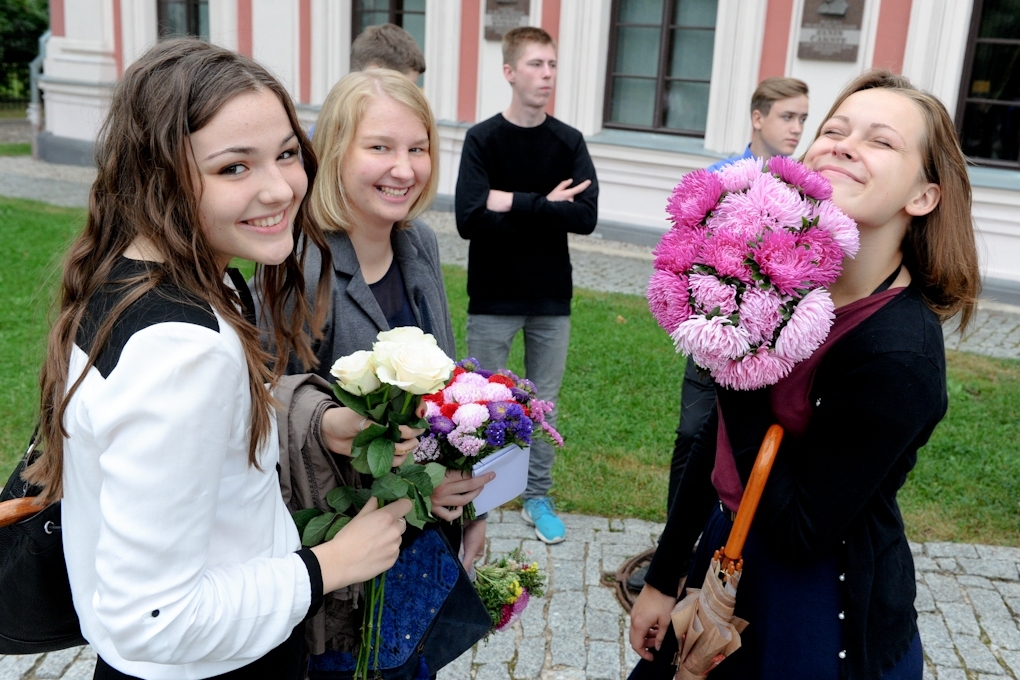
163	424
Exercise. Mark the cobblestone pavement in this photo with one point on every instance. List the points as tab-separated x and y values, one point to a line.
15	131
968	603
968	597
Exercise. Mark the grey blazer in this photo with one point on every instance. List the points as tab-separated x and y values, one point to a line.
354	318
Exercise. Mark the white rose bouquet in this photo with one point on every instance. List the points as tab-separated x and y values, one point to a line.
386	386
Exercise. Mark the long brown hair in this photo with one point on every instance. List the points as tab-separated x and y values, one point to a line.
939	249
145	189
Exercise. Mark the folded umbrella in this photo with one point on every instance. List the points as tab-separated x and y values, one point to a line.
706	629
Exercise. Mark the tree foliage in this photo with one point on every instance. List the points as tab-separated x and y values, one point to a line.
21	24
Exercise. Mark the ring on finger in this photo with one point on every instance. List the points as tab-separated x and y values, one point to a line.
403	524
361	425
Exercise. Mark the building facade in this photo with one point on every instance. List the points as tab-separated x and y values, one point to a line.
658	87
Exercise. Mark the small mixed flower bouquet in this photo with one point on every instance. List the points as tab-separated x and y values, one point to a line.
386	386
740	279
507	586
479	413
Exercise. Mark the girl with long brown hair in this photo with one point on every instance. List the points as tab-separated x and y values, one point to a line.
828	580
159	430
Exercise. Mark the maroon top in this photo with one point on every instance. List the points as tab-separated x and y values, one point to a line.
790	397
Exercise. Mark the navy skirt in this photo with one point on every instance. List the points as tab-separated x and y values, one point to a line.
795	630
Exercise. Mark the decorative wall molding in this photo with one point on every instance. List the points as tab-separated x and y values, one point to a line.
581	63
936	46
736	61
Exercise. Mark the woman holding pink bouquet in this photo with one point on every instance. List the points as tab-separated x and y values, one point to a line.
378	150
828	580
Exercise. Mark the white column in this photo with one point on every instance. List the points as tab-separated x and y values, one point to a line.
223	23
936	46
139	29
736	61
331	45
274	40
583	51
442	56
79	71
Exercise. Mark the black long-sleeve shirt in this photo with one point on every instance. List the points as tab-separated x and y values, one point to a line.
518	261
878	395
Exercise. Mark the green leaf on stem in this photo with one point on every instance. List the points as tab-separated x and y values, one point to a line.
368	434
339	499
351	401
359	461
380	456
316	529
389	487
418	478
436	472
394	431
379	411
336	526
303	517
418	424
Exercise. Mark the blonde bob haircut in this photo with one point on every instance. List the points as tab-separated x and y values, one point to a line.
342	112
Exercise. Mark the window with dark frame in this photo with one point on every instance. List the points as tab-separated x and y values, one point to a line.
988	112
660	65
408	14
183	17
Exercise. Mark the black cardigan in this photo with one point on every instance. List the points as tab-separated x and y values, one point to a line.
877	396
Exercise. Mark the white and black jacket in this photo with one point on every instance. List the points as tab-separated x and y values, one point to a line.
182	557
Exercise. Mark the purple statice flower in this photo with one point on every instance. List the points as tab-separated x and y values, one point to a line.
441	424
469	364
514	411
485	373
668	299
522	429
519	395
470	416
551	431
539	409
428	450
527	386
495	434
497	409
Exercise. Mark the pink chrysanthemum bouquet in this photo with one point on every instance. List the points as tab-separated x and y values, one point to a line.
740	279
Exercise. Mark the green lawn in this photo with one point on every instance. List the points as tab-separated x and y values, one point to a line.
618	405
15	149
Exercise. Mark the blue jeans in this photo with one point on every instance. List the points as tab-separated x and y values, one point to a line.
546	339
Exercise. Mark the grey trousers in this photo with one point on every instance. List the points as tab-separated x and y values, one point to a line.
546	339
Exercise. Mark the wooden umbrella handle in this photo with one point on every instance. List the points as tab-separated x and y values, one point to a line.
18	509
752	493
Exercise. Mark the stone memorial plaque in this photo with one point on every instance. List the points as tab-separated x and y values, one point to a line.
503	15
830	30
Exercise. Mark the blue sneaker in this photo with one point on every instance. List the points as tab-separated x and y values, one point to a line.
539	513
